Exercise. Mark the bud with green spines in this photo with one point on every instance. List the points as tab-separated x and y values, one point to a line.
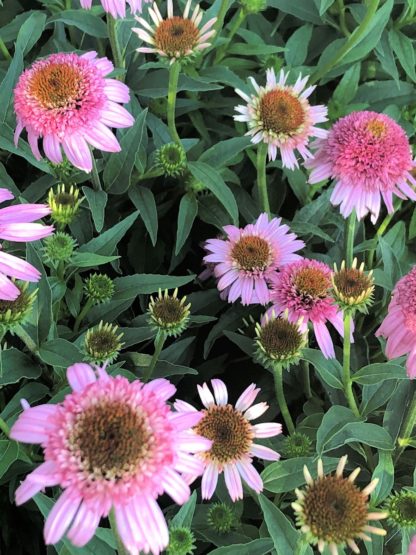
221	518
168	314
99	288
58	247
401	507
297	445
253	6
193	185
172	159
181	541
352	288
64	203
103	343
278	341
14	313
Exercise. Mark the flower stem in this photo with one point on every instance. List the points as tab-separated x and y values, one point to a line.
221	16
238	20
306	380
27	340
342	21
4	51
349	394
174	71
68	4
115	46
407	428
280	396
380	232
4	427
349	239
159	342
349	44
121	550
261	177
87	307
95	177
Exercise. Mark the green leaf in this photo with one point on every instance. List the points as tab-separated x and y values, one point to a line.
281	530
90	259
304	10
82	20
224	151
245	343
384	471
8	84
283	476
324	6
402	46
329	369
128	287
212	179
31	31
106	243
188	209
376	373
297	46
97	201
118	169
256	547
186	513
144	200
42	307
60	352
15	365
10	451
333	422
348	86
369	434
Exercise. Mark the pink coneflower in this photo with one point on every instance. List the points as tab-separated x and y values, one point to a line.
369	157
233	435
399	326
111	445
176	37
117	8
280	116
16	225
303	288
66	100
247	258
412	547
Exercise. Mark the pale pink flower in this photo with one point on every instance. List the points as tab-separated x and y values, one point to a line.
399	326
66	101
117	8
176	37
247	258
369	157
412	547
304	290
16	225
280	116
111	444
232	433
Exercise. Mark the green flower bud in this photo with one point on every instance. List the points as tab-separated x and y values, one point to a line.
352	287
99	288
181	541
297	445
64	203
168	314
402	509
58	248
253	6
14	313
172	159
102	343
221	518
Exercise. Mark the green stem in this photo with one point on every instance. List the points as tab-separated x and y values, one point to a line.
121	550
261	177
238	20
27	340
159	342
174	71
4	51
68	4
342	21
220	18
95	177
349	394
380	232
349	239
354	38
407	427
4	427
87	307
306	380
115	46
280	396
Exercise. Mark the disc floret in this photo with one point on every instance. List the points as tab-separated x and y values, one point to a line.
172	159
58	248
103	343
401	507
64	203
352	288
168	314
332	511
99	288
181	541
221	518
14	313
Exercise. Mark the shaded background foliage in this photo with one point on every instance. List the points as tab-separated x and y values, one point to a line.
145	231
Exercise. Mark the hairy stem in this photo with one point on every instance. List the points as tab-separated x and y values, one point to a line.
349	239
159	342
115	46
349	394
407	428
238	20
342	21
261	177
4	51
95	177
87	307
281	400
174	71
121	550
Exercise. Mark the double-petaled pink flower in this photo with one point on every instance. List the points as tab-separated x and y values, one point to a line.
233	438
117	8
16	224
304	290
111	445
66	101
399	326
244	261
369	157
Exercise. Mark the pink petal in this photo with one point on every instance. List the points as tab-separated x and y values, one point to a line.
247	398
175	486
162	388
78	153
264	452
60	517
79	375
250	476
233	482
266	429
209	481
5	194
21	213
84	525
220	391
15	267
22	232
101	137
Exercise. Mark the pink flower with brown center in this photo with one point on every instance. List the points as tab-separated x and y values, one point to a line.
117	8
